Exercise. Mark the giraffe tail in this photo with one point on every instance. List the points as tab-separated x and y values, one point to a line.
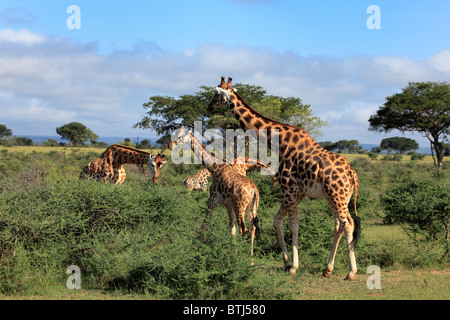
255	214
357	220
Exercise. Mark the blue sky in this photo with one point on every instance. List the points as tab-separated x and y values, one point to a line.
126	51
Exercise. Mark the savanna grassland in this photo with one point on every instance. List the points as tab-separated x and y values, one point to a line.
142	240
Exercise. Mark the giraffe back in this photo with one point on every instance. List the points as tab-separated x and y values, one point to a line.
198	181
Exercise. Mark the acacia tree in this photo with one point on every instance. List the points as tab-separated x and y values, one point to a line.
399	144
76	133
4	131
165	114
421	106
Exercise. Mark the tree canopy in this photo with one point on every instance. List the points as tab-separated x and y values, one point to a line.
399	144
421	106
76	133
165	114
4	131
342	146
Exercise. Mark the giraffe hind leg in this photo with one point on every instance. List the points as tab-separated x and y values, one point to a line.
252	212
344	224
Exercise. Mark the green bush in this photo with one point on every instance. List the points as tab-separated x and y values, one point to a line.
141	237
423	203
138	239
417	156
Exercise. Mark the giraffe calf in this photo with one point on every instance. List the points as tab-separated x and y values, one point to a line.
238	194
198	181
241	165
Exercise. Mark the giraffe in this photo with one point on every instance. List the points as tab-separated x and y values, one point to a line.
305	170
236	192
199	181
109	165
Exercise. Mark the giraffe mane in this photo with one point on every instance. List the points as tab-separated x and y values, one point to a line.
130	148
262	116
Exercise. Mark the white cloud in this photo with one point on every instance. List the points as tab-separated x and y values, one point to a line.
440	61
20	36
66	81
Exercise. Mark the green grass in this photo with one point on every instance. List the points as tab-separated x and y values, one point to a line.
141	240
39	149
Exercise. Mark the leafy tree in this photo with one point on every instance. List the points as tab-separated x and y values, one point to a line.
328	145
76	133
22	141
50	143
4	131
376	150
446	149
399	144
421	106
144	144
127	143
165	114
99	144
348	146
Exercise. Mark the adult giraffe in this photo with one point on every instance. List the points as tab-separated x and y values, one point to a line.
109	165
305	170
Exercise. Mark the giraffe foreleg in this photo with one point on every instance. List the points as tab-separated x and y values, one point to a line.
293	227
278	225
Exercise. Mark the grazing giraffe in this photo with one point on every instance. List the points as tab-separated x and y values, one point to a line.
305	170
199	181
236	192
109	165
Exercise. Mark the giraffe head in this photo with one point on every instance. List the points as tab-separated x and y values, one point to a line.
222	95
154	164
181	137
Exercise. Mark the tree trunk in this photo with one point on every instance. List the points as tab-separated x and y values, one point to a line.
438	148
439	155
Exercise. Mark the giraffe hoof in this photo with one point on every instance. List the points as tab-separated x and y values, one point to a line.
326	273
293	270
350	277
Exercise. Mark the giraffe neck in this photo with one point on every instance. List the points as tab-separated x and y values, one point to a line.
249	118
124	155
200	152
265	127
